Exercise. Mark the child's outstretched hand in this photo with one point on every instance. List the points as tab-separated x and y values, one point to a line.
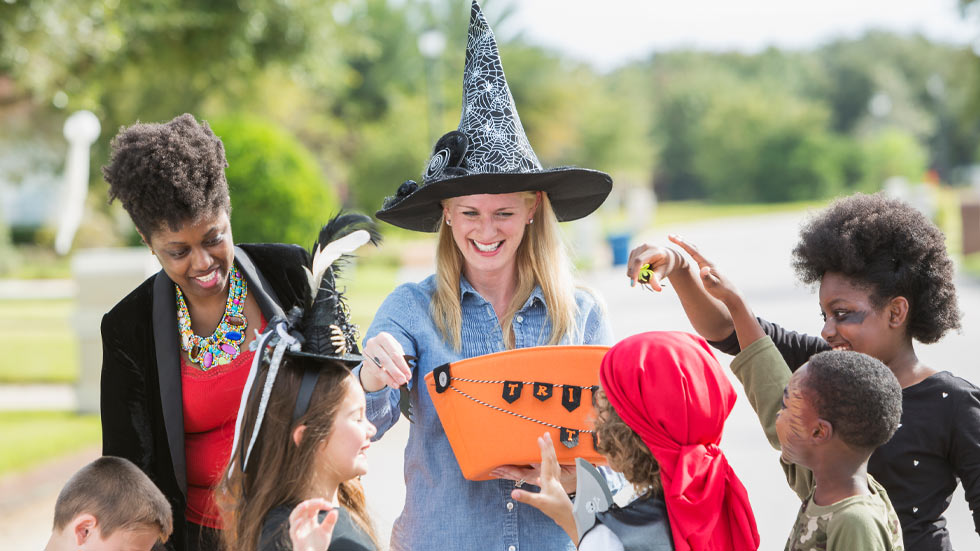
650	264
552	499
306	531
714	282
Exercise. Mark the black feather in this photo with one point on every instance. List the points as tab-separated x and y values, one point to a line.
328	306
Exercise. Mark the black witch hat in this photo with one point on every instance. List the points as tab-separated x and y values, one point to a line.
489	153
321	330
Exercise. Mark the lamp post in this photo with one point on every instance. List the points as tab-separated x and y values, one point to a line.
81	130
431	44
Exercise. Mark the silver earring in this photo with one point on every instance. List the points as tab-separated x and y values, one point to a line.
448	223
531	221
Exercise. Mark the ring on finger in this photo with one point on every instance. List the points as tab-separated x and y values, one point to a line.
377	361
519	483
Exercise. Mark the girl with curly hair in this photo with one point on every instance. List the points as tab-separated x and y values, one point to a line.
176	349
885	280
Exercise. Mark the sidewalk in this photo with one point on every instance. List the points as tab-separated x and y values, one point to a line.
36	397
27	501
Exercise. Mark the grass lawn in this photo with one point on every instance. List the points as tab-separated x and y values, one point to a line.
31	437
39	343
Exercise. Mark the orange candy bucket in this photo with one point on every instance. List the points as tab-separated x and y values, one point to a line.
494	407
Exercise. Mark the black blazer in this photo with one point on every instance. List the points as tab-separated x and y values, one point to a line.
142	410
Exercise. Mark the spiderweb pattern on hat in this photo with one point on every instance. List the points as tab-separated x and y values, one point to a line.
496	139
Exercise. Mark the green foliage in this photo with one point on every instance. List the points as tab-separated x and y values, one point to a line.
278	192
889	153
8	256
33	437
348	80
760	145
392	150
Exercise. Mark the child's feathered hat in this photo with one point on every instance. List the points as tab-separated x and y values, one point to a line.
321	330
489	153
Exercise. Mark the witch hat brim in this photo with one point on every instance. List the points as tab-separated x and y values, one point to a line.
489	152
574	193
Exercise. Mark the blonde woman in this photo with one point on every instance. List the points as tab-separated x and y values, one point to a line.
502	281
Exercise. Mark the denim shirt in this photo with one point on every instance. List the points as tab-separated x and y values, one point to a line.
441	507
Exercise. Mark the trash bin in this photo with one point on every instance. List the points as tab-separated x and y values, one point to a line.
620	245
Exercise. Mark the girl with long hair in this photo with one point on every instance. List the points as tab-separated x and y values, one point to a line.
318	457
302	433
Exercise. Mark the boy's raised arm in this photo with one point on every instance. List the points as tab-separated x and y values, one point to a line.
759	366
719	287
708	316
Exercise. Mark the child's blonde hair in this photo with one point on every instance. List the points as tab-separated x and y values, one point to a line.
541	260
624	448
118	495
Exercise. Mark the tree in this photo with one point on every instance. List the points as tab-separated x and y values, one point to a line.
760	146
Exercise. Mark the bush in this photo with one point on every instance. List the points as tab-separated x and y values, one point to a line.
278	191
892	152
8	257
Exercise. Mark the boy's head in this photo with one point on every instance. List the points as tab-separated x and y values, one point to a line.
111	505
624	448
840	396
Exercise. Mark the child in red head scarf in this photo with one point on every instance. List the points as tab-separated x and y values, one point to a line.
671	392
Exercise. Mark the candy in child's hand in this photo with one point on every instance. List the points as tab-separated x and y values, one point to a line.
645	274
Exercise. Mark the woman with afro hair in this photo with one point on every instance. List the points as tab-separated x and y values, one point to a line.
176	349
885	280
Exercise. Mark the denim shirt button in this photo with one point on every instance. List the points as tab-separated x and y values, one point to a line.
520	319
512	548
510	505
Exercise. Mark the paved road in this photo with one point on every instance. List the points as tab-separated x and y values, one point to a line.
755	252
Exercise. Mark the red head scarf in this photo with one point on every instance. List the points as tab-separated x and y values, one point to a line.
669	388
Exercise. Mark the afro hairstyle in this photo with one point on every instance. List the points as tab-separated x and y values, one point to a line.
167	173
890	248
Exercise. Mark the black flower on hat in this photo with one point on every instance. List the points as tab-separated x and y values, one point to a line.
489	152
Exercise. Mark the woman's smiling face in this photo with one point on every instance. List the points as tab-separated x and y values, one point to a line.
197	256
489	228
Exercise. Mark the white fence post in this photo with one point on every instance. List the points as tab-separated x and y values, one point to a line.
104	276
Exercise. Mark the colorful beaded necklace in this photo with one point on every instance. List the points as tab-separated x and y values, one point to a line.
225	344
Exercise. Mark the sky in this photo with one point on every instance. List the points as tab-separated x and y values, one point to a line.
607	33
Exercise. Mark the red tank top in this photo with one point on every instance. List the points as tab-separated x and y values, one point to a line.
211	400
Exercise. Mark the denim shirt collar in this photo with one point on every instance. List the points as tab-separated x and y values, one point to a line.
466	289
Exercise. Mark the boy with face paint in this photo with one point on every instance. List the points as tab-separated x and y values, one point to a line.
826	418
